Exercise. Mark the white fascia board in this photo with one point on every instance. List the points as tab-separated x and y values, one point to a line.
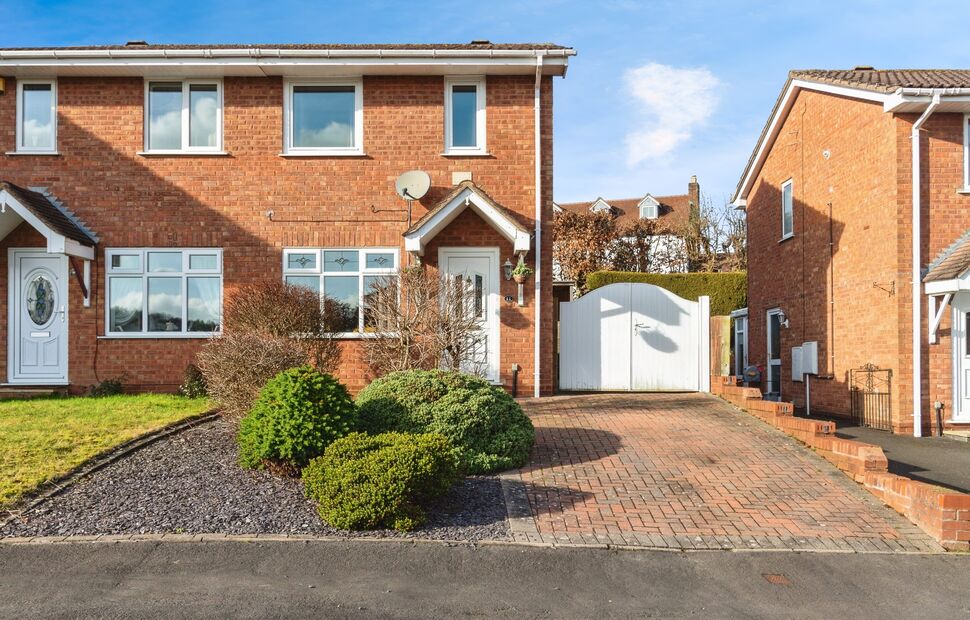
941	287
649	199
778	119
415	242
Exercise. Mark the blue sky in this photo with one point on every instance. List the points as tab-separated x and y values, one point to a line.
659	91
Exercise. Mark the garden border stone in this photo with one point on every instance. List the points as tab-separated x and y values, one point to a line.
59	484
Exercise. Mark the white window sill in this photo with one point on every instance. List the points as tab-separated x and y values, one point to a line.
38	384
157	336
324	154
965	190
476	153
182	153
361	336
40	153
786	237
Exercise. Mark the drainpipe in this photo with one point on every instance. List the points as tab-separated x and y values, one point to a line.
917	334
538	275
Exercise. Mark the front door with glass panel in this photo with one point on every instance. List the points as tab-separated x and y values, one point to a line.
772	377
37	340
475	273
961	357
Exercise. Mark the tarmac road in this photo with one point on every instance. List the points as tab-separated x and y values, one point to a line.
421	580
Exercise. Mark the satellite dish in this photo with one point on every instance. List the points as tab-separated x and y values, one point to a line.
413	185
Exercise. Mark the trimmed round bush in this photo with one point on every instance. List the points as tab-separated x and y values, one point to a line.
485	424
298	413
380	481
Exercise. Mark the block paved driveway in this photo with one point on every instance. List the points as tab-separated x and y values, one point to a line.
688	471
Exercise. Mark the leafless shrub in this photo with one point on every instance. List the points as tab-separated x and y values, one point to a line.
268	327
425	321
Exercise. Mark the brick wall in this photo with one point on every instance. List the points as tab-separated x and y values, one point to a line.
859	323
133	201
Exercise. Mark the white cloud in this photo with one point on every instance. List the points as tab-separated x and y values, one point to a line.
672	103
333	135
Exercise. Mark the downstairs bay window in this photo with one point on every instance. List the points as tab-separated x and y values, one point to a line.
343	278
163	292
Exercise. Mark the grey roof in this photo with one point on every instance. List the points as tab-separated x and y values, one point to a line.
952	262
50	213
306	46
886	80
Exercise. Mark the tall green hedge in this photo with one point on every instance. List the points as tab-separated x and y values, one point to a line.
728	291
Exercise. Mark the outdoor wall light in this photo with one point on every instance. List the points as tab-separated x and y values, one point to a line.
507	268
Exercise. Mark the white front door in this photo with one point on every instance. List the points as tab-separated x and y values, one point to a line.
961	357
37	340
477	268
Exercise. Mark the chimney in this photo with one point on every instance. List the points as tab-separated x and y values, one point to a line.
694	192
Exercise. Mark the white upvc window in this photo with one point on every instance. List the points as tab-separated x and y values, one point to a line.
465	116
787	210
342	277
163	292
649	211
323	117
966	153
183	116
36	116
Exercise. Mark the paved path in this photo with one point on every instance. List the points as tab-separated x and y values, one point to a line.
431	580
936	460
689	471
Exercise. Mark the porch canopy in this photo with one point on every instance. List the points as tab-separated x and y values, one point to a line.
467	195
947	275
64	234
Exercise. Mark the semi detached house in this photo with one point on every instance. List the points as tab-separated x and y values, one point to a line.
140	184
858	202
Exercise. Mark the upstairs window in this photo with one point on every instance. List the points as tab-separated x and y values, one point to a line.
787	211
465	116
649	211
36	116
323	118
183	116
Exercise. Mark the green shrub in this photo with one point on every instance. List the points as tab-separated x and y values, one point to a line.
374	481
728	291
486	426
296	416
193	383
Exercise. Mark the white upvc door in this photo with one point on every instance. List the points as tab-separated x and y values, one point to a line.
772	377
740	345
961	357
37	335
478	269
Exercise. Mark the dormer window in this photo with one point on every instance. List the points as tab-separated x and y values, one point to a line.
600	205
649	208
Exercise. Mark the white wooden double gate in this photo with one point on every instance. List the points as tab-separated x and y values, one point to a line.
636	337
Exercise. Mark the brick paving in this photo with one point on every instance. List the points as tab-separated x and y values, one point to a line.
688	471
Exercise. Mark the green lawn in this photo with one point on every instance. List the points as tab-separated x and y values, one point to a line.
43	438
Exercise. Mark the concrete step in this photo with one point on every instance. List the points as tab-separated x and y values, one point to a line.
959	435
32	391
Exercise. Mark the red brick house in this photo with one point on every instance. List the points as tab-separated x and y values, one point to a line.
849	165
140	184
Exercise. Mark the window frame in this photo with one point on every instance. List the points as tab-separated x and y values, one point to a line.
19	148
655	209
776	393
186	117
361	273
356	150
791	233
143	273
479	82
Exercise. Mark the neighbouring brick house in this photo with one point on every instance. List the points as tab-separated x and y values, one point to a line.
831	213
669	213
141	184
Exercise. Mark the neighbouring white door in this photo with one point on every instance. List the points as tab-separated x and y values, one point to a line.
773	371
37	342
476	270
740	345
961	357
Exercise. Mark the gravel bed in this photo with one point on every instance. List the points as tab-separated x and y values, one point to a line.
191	483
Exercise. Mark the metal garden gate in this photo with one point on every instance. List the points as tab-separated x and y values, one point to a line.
870	389
634	337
